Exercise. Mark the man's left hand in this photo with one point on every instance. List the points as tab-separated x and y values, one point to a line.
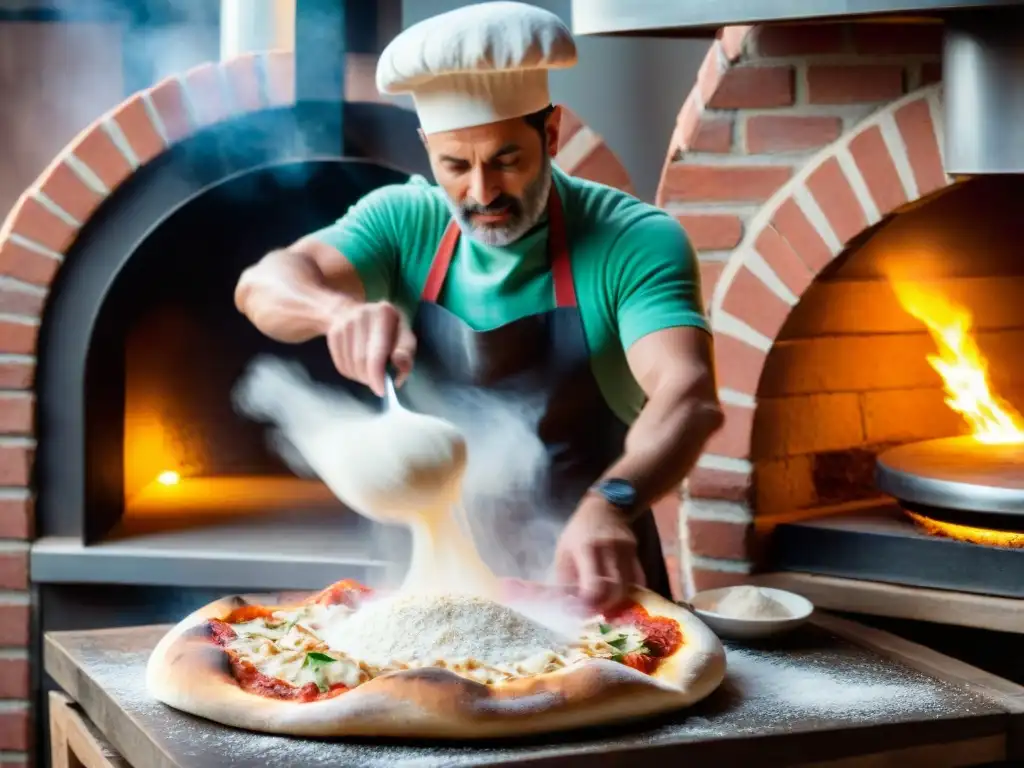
597	552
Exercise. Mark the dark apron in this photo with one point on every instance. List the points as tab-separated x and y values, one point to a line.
542	360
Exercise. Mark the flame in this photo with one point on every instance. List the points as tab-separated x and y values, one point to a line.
170	477
961	365
969	533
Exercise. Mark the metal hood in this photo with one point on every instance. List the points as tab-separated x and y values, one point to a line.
983	58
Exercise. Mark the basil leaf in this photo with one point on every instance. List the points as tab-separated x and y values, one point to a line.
618	643
604	628
314	658
617	657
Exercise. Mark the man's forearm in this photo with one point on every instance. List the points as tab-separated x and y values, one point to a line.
287	298
665	442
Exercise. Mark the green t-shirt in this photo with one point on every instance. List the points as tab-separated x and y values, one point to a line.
633	265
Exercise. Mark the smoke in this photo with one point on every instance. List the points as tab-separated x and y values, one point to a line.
503	504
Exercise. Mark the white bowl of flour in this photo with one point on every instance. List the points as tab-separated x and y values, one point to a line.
748	612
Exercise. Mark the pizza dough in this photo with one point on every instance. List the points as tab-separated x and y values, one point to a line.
452	654
481	696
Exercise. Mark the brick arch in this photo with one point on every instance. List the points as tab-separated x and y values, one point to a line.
890	159
45	220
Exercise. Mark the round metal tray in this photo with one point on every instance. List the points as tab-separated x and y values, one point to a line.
958	475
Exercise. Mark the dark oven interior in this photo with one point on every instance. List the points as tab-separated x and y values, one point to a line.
850	379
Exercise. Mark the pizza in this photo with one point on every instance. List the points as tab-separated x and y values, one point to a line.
349	661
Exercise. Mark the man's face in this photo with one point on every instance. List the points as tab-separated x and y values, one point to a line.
497	176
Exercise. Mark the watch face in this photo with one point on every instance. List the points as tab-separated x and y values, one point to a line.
619	492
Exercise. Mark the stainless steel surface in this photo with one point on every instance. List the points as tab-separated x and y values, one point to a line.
303	550
956	473
983	76
598	17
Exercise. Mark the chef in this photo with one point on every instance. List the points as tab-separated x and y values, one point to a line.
510	276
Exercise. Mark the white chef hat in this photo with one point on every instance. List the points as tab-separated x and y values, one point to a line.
478	64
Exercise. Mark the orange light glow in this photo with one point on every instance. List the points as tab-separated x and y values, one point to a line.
968	533
170	477
961	365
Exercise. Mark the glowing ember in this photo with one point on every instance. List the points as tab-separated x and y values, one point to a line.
970	534
168	478
961	365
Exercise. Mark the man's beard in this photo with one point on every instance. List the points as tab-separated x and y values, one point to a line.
523	213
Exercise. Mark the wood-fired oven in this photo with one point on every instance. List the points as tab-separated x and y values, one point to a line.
852	184
151	495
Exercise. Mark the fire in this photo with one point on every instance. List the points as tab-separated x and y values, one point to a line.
961	365
964	373
170	477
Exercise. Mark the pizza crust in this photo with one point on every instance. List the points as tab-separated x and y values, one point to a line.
191	673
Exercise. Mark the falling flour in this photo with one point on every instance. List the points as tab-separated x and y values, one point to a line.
749	602
411	627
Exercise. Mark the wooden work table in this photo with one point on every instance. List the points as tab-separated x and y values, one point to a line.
835	693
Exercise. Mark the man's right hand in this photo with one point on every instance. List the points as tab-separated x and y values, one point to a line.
364	337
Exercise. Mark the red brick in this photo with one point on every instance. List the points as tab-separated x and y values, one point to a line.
16	519
97	150
800	40
786	133
13	570
14	679
792	224
29	266
36	223
675	576
712	231
918	132
732	39
133	119
750	300
883	39
853	84
724	183
17	375
242	74
602	166
205	93
710	272
738	365
931	72
747	87
783	260
14	729
712	135
281	78
719	484
14	623
715	538
687	123
569	126
666	516
168	97
72	195
14	301
15	462
18	338
16	414
733	439
832	191
710	74
872	158
705	579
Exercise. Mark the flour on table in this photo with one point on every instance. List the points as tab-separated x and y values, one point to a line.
416	627
748	602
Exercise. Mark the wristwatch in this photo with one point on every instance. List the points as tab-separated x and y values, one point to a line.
619	493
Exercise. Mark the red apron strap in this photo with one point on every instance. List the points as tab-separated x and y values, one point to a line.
558	252
442	260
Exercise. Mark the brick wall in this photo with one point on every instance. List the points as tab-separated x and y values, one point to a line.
43	225
795	141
